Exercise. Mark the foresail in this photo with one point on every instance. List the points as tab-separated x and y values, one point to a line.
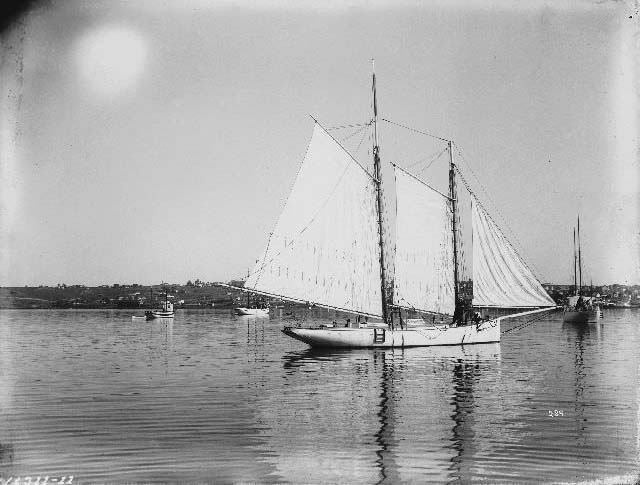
424	247
324	248
500	278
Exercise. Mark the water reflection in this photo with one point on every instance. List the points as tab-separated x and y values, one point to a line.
384	436
414	393
311	356
6	454
214	398
579	335
578	409
465	374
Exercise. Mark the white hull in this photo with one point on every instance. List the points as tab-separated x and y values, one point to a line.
587	316
153	314
257	312
163	314
381	336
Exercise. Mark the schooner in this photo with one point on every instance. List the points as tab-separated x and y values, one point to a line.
328	250
580	308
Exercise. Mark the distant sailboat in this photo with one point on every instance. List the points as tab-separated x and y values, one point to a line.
579	308
327	250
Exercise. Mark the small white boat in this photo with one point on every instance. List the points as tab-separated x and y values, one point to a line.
258	312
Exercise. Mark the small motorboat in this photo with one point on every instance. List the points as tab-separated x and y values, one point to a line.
166	310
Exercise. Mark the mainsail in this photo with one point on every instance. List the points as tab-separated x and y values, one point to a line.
324	247
500	278
424	247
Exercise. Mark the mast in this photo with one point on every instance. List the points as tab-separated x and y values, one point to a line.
579	258
378	180
454	207
575	265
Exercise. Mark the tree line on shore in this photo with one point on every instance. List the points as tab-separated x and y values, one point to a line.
200	294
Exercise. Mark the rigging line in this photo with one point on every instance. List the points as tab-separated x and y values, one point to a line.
395	241
410	306
524	325
345	150
354	125
431	158
266	251
418	180
465	183
433	161
537	272
414	130
300	300
364	135
359	130
522	260
504	220
484	190
301	231
462	261
285	204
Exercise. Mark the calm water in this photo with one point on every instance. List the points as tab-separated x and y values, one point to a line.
217	398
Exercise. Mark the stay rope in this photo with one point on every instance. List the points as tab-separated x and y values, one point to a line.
354	125
414	130
512	234
504	237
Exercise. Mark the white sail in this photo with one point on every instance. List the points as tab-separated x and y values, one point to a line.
424	247
324	248
500	278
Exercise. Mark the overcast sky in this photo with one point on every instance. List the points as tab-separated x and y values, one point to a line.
157	141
